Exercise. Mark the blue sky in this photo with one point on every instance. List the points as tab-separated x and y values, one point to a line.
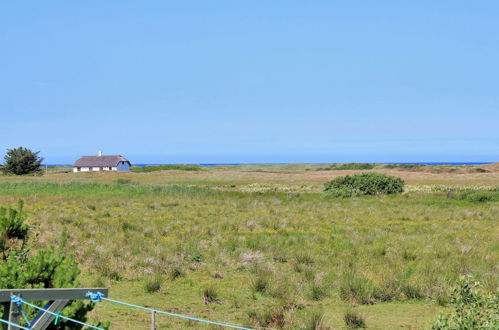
251	81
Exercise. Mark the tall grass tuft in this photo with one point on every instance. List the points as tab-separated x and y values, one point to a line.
357	289
261	282
210	295
269	318
354	320
314	320
153	284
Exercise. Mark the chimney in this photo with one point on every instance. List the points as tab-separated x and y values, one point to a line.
100	153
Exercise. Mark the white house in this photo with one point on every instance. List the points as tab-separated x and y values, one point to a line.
101	163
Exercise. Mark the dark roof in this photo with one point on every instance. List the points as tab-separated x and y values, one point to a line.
106	161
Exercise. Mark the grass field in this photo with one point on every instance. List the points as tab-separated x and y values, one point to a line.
260	246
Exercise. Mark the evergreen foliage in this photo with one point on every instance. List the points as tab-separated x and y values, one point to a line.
21	161
363	184
46	268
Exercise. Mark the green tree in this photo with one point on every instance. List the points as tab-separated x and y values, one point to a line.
21	161
45	268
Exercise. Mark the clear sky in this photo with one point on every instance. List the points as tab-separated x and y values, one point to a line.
251	81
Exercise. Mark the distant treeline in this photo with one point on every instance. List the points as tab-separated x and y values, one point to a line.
153	168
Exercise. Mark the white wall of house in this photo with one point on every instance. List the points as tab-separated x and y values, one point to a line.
123	166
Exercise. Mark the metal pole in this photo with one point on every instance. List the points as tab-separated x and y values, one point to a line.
153	320
14	315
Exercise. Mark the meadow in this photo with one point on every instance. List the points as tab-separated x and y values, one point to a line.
259	245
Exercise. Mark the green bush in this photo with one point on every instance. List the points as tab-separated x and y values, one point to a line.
473	308
341	192
352	166
363	184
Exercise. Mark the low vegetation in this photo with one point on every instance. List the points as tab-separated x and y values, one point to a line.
267	258
119	188
154	168
46	268
363	184
353	320
353	166
472	308
405	167
473	195
440	168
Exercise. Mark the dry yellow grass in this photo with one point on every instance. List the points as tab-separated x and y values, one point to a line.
225	176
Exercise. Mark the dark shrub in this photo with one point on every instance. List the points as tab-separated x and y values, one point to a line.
364	184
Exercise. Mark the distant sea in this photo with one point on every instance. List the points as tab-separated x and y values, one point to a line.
216	164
